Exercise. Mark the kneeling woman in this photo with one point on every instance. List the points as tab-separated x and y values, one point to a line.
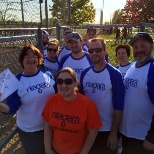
71	119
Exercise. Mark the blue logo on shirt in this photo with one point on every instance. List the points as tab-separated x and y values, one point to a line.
78	70
39	87
130	82
95	86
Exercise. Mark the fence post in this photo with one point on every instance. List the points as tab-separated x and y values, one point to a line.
40	41
46	14
69	12
58	35
142	28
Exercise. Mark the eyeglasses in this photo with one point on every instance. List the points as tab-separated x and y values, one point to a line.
29	57
97	50
67	81
51	49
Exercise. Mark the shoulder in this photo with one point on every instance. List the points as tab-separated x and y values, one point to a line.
19	76
84	98
65	58
47	73
112	69
87	69
84	72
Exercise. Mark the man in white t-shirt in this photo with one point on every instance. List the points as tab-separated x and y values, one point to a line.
66	48
103	84
137	126
78	60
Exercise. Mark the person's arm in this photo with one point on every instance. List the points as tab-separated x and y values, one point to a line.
149	140
112	138
4	108
48	139
148	145
92	133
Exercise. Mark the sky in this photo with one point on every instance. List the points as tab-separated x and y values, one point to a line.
109	7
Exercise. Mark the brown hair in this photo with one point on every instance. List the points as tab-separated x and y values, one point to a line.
99	39
23	53
124	46
71	72
54	42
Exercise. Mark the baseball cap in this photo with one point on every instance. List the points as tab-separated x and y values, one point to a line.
141	35
75	36
91	29
46	33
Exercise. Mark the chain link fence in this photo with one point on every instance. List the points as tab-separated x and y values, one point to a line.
10	46
23	13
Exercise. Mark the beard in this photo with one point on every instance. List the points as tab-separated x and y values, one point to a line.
144	59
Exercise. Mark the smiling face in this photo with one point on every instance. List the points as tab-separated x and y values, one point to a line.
142	51
90	34
75	46
51	54
30	63
122	55
68	91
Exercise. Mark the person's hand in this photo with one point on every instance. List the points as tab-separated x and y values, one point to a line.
51	151
148	145
112	141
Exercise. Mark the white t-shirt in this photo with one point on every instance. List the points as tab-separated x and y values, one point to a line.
139	101
104	87
29	100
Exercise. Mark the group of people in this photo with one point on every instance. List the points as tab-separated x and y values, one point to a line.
124	34
85	105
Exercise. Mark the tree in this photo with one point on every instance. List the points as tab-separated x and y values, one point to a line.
117	17
5	16
81	11
136	10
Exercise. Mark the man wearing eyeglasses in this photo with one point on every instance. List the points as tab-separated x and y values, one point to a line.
66	48
104	85
78	60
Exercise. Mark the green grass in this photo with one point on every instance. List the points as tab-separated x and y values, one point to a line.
110	46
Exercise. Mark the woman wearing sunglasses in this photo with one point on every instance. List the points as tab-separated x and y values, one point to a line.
51	61
71	119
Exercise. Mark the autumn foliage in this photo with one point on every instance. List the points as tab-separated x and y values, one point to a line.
136	10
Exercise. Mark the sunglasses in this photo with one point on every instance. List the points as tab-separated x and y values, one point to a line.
51	49
67	81
97	50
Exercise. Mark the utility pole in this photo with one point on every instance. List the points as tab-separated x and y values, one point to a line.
22	13
69	12
40	1
46	14
102	12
